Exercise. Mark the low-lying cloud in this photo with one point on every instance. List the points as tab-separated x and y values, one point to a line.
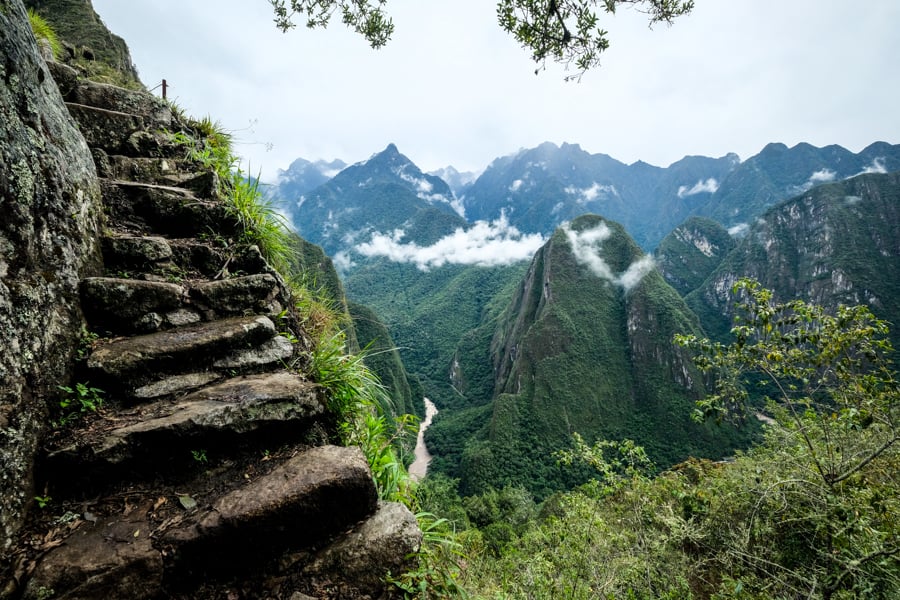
483	244
586	246
822	176
877	166
710	186
594	192
738	230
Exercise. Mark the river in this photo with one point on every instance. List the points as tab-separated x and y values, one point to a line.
419	466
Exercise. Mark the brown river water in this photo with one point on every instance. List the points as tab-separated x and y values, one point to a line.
419	466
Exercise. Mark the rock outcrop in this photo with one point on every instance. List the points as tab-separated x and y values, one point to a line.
210	470
50	202
87	42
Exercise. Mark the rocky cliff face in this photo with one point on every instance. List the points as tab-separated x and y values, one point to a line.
50	202
88	44
688	255
835	244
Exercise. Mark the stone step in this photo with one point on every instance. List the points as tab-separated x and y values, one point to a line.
253	411
106	129
303	502
122	306
259	293
214	259
125	306
155	548
238	343
164	210
210	257
154	111
129	252
160	171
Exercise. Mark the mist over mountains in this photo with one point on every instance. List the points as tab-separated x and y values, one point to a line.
383	201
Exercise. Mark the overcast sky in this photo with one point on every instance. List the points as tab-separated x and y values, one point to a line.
452	88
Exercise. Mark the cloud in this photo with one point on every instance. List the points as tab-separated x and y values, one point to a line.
822	176
483	244
514	187
458	205
710	186
738	230
586	245
423	186
636	271
592	193
343	262
877	166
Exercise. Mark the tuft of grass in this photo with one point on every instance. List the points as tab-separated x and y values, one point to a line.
318	312
260	221
44	31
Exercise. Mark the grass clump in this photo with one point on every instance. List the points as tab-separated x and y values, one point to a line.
360	401
44	31
260	221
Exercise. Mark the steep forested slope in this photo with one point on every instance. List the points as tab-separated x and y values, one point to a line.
584	346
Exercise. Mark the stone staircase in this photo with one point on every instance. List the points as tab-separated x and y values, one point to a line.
210	471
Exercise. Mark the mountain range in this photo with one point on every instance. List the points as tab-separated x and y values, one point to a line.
537	189
527	319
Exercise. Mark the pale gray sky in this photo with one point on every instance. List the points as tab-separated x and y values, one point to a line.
452	88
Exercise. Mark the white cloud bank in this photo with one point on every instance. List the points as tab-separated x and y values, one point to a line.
484	244
824	175
585	246
738	230
710	186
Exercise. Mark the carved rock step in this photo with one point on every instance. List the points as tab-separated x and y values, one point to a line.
251	411
129	252
154	111
303	502
158	171
309	499
134	305
164	210
258	293
239	343
129	305
214	261
106	129
148	256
